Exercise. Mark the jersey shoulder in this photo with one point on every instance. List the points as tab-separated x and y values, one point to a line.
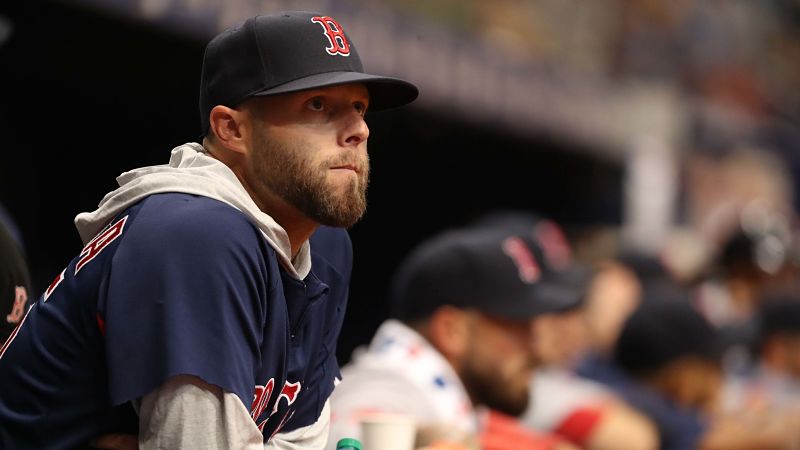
176	220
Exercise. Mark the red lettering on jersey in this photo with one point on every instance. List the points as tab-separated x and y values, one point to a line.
20	298
260	398
523	258
100	242
335	34
53	285
263	393
289	392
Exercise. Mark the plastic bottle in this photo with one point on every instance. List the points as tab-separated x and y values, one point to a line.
348	444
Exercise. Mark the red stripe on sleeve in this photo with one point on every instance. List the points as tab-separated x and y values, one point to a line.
579	425
101	324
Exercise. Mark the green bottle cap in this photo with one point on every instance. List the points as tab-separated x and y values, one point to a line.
348	444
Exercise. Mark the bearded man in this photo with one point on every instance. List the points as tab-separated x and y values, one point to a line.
204	309
458	344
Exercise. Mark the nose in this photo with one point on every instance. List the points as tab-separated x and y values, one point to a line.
355	131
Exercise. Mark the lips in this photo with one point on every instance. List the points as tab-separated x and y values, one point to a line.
352	167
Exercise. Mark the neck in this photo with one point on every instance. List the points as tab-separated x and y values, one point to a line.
297	226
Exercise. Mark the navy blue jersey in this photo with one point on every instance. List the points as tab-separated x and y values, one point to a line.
177	284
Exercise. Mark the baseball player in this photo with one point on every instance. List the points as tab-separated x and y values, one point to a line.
204	309
457	343
579	410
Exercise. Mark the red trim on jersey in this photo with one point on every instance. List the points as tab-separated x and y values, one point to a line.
13	334
506	432
53	285
260	398
100	242
101	324
579	425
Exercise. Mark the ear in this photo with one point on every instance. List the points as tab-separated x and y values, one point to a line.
450	330
231	128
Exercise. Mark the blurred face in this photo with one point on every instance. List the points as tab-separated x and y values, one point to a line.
559	339
612	297
707	386
691	382
309	151
498	365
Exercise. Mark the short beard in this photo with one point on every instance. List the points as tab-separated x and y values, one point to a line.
281	168
485	388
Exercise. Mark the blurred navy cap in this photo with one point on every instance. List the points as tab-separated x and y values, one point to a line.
485	269
665	327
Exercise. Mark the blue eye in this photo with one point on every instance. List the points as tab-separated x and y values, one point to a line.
360	107
316	104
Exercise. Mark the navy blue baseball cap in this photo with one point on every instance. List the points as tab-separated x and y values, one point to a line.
488	270
288	52
665	327
545	233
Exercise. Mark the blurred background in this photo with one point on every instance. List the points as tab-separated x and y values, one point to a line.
666	128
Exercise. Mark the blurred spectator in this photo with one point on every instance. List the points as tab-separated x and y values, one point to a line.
673	349
773	382
460	341
740	211
615	292
758	258
670	368
613	295
579	410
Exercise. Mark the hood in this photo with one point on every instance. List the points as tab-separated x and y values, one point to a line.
192	171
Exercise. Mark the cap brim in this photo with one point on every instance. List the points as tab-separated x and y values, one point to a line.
384	92
557	297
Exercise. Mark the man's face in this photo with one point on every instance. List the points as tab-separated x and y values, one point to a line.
693	382
498	365
613	295
560	339
309	150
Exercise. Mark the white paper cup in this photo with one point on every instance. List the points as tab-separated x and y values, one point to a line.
388	431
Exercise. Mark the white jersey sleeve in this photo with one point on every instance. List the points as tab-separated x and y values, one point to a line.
186	412
311	437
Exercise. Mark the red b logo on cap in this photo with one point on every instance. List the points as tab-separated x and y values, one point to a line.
335	35
528	268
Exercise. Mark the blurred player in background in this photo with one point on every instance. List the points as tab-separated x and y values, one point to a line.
458	343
